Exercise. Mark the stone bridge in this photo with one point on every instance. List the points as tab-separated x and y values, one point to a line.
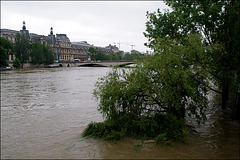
93	64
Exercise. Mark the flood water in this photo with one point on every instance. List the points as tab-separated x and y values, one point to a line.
44	112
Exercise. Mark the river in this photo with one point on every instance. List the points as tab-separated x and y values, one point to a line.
44	111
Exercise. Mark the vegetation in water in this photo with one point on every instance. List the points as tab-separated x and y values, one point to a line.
143	127
152	100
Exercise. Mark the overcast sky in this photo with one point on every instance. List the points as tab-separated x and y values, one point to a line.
98	22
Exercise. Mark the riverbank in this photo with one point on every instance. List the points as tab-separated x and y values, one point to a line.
31	65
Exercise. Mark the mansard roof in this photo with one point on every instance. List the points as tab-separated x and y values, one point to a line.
8	32
78	46
111	47
104	49
35	37
81	45
62	37
51	39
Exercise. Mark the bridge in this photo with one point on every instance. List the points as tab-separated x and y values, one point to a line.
92	64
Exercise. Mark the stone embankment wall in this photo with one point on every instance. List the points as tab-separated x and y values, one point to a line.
29	65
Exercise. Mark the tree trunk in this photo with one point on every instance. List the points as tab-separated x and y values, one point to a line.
225	93
236	108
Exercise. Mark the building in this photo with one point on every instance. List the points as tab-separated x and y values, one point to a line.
113	48
135	51
64	49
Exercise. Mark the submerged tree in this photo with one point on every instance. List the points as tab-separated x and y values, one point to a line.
152	99
175	77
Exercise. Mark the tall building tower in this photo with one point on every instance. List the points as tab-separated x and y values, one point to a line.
25	31
51	37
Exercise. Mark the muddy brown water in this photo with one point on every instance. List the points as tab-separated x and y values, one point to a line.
44	112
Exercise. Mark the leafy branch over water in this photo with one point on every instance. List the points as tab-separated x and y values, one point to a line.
150	101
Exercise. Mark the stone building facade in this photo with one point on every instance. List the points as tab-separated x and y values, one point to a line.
113	48
64	50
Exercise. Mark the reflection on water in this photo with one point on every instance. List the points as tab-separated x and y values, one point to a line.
44	111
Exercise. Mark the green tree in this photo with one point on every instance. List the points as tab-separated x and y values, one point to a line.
118	55
127	56
48	55
217	21
3	57
137	56
41	54
5	48
101	56
93	52
175	77
22	48
152	99
16	63
36	53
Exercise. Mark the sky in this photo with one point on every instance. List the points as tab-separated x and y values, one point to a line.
98	22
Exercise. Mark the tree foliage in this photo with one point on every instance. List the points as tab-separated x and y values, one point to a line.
41	54
22	48
5	47
16	63
48	55
217	22
93	52
175	77
134	56
157	93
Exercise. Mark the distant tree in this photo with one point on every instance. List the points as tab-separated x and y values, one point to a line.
118	55
128	56
101	56
48	55
16	63
22	48
134	56
113	56
93	52
137	56
41	54
3	57
5	48
36	53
